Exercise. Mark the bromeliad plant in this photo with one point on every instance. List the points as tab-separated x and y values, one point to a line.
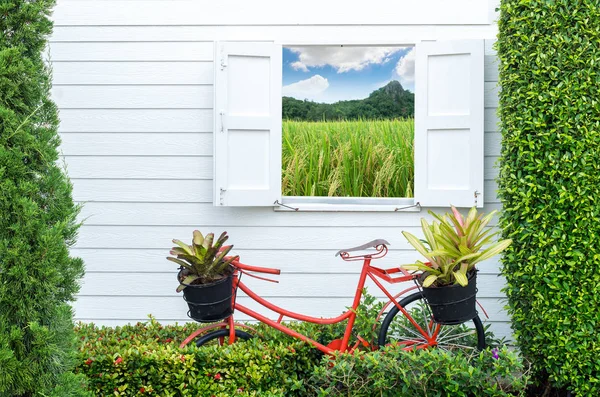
202	262
453	246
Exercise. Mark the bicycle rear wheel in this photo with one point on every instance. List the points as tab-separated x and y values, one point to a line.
221	337
396	328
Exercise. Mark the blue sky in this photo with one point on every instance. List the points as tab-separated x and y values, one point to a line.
330	74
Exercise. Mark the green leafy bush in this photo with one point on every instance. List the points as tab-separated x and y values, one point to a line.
550	184
435	372
38	224
145	359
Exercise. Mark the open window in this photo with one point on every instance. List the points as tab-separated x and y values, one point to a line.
348	122
448	140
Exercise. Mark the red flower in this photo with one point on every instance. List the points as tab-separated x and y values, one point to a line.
182	357
169	340
118	361
142	390
88	361
217	376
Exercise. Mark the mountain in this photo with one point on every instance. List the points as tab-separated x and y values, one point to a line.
388	102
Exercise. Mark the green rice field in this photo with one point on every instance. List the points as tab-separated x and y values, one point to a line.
364	158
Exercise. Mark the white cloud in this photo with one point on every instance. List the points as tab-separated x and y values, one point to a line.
310	88
405	69
299	66
343	59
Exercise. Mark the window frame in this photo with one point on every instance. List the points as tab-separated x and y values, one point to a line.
432	196
359	204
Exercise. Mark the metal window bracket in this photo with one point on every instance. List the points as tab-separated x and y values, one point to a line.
417	205
283	205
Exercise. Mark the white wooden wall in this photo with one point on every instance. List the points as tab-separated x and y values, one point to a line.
133	81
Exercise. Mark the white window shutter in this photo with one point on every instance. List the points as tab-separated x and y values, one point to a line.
247	124
449	123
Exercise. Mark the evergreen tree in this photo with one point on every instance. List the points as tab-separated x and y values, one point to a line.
388	102
38	278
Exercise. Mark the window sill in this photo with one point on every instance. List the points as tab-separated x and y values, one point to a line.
346	204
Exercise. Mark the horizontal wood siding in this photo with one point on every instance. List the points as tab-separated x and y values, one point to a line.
134	84
240	12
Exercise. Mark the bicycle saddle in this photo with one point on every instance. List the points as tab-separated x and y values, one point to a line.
370	244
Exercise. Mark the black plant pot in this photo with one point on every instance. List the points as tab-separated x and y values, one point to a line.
210	302
452	304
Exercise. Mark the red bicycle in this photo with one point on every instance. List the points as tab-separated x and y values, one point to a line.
408	322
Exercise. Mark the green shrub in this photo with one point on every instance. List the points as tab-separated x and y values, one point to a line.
550	185
394	372
38	279
145	359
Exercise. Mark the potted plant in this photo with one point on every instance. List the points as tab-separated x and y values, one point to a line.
453	246
205	276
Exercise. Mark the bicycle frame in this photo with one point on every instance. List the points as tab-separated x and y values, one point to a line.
368	271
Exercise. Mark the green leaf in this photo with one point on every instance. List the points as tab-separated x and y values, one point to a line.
428	234
184	246
188	280
197	238
420	266
181	263
493	250
429	280
412	240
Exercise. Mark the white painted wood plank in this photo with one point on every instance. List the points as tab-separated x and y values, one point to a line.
333	34
290	285
493	14
106	308
491	68
491	91
193	214
136	144
244	237
138	191
136	120
133	97
238	12
141	167
127	51
491	167
489	45
295	261
490	120
490	189
493	143
491	94
132	73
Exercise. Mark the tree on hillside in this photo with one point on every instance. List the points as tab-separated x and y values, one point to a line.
38	278
389	102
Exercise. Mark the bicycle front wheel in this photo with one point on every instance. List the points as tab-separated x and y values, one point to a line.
221	337
399	329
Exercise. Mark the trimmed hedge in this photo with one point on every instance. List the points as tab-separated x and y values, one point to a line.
145	359
393	372
549	185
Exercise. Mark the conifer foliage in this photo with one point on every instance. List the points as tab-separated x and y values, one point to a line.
38	278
